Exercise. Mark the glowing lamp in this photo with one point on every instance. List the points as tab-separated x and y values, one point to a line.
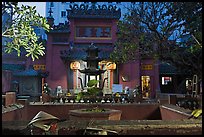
110	66
74	65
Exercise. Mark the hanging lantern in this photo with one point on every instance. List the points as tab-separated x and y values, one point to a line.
110	65
74	65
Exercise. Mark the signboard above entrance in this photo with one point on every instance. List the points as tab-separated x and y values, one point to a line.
147	67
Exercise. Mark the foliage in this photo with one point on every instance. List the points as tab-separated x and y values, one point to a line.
153	29
191	14
126	42
196	113
95	109
20	30
92	83
92	90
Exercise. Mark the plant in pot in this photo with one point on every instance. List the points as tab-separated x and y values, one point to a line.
95	112
92	93
92	90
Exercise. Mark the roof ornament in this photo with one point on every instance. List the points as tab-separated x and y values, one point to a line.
93	11
93	6
50	12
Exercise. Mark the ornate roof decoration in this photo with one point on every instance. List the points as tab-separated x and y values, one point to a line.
50	13
93	11
79	52
29	72
61	27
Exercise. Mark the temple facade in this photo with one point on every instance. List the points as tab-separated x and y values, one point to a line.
86	26
97	26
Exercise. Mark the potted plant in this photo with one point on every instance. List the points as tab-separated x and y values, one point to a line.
92	91
96	112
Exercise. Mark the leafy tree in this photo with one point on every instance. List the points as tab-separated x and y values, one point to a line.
154	29
20	29
190	13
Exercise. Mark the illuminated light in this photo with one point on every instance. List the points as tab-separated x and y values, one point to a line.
74	65
110	65
38	67
147	67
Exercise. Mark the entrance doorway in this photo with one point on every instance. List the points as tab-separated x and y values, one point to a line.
145	80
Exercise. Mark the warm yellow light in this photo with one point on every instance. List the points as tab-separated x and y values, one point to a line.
38	67
110	65
74	65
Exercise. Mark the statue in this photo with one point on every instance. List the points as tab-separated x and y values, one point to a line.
59	90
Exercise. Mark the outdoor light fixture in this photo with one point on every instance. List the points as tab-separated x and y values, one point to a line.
110	65
74	65
125	78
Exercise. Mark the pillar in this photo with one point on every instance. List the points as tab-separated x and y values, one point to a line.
10	98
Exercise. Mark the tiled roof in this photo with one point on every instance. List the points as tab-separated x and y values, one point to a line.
62	27
29	72
13	67
78	52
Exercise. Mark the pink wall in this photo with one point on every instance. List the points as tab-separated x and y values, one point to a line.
150	111
71	27
132	71
168	114
57	69
138	111
19	114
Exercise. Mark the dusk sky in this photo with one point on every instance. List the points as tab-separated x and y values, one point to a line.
40	6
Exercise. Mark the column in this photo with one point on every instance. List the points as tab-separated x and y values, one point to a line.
10	98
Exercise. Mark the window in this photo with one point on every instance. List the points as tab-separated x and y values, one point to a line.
93	31
51	4
166	80
63	13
